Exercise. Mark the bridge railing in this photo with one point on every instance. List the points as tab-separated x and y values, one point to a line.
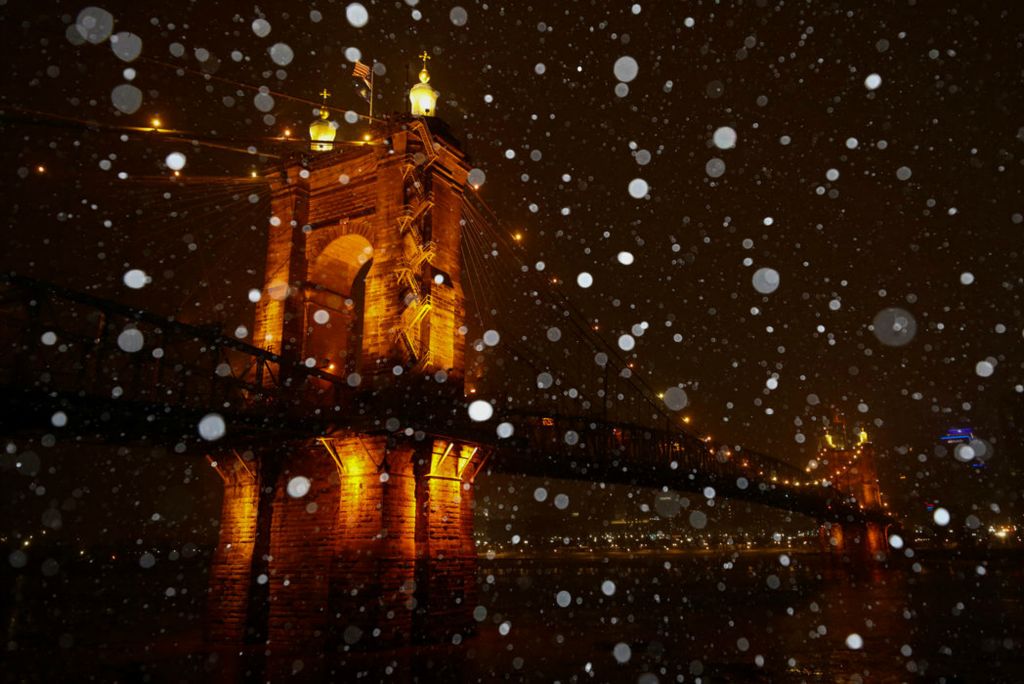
581	447
584	434
60	340
56	342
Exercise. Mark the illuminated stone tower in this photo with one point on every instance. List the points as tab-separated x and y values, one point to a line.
363	258
364	537
849	464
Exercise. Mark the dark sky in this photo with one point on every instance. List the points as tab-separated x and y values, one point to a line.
531	90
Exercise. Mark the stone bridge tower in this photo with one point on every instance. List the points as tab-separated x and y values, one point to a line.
364	256
357	538
850	464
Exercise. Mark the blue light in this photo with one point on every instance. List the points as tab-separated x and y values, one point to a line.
958	435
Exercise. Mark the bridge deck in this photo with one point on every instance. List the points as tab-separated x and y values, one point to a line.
120	373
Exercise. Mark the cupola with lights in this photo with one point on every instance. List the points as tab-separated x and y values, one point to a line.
322	131
422	96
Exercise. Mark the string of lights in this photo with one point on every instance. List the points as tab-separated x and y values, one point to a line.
157	132
181	69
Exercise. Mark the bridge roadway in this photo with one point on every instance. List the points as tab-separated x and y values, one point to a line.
65	371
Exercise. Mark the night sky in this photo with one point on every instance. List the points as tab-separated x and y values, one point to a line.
906	195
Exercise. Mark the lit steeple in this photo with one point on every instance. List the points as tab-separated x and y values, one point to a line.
422	97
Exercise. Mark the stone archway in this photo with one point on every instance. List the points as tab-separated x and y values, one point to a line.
335	303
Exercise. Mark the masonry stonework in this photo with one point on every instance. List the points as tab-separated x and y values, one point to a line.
357	539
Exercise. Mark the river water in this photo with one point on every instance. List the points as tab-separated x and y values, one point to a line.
755	616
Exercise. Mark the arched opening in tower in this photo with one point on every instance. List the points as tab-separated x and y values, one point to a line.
335	304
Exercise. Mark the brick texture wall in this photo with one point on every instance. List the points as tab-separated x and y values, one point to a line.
367	190
446	558
232	559
380	549
304	539
373	572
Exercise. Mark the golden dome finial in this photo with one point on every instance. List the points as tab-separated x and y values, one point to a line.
424	74
321	132
422	97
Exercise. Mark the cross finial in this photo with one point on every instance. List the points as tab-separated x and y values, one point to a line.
424	57
324	94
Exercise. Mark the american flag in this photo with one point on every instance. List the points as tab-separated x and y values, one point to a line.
362	71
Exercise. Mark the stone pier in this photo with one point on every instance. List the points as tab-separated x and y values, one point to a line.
369	544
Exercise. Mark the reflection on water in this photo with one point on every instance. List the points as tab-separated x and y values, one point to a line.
759	616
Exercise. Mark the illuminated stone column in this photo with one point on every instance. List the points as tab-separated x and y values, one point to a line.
303	541
874	538
447	184
397	565
372	572
833	537
279	313
382	319
259	591
868	492
447	346
230	571
447	180
445	551
466	536
855	540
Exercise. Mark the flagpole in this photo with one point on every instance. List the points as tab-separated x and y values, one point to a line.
374	63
